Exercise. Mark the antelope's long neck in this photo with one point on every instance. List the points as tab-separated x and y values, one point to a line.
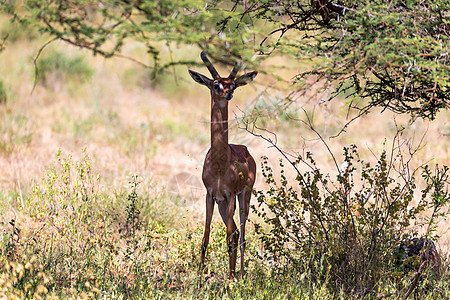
220	151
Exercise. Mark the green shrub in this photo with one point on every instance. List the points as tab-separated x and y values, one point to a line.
57	66
344	232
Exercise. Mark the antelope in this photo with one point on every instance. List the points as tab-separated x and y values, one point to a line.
229	170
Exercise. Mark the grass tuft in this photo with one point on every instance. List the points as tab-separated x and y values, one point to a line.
3	94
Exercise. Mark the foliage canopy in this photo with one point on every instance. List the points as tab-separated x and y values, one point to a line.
392	54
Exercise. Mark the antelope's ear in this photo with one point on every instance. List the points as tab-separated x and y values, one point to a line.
199	78
246	78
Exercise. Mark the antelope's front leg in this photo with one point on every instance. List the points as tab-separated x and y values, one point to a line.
209	214
232	233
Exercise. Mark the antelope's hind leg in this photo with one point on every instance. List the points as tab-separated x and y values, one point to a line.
227	212
244	207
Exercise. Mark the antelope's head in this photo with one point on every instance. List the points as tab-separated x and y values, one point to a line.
222	88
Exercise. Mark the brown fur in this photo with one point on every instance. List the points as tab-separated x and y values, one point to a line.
229	170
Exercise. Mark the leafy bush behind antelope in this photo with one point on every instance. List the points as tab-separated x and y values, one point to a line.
345	232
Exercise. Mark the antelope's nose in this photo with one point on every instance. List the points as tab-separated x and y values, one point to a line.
228	96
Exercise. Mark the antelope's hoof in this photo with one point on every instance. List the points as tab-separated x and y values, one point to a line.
202	269
232	275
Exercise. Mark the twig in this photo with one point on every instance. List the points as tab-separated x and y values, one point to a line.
36	70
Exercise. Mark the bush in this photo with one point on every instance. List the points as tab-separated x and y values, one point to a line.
67	210
344	232
56	66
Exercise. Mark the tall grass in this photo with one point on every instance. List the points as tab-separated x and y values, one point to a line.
73	239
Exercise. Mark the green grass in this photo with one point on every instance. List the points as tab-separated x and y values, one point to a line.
72	238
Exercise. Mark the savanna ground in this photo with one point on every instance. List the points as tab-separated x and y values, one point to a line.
100	175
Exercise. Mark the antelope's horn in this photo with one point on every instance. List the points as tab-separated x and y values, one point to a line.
209	65
235	70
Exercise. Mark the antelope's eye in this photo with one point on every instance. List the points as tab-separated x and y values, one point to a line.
216	87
